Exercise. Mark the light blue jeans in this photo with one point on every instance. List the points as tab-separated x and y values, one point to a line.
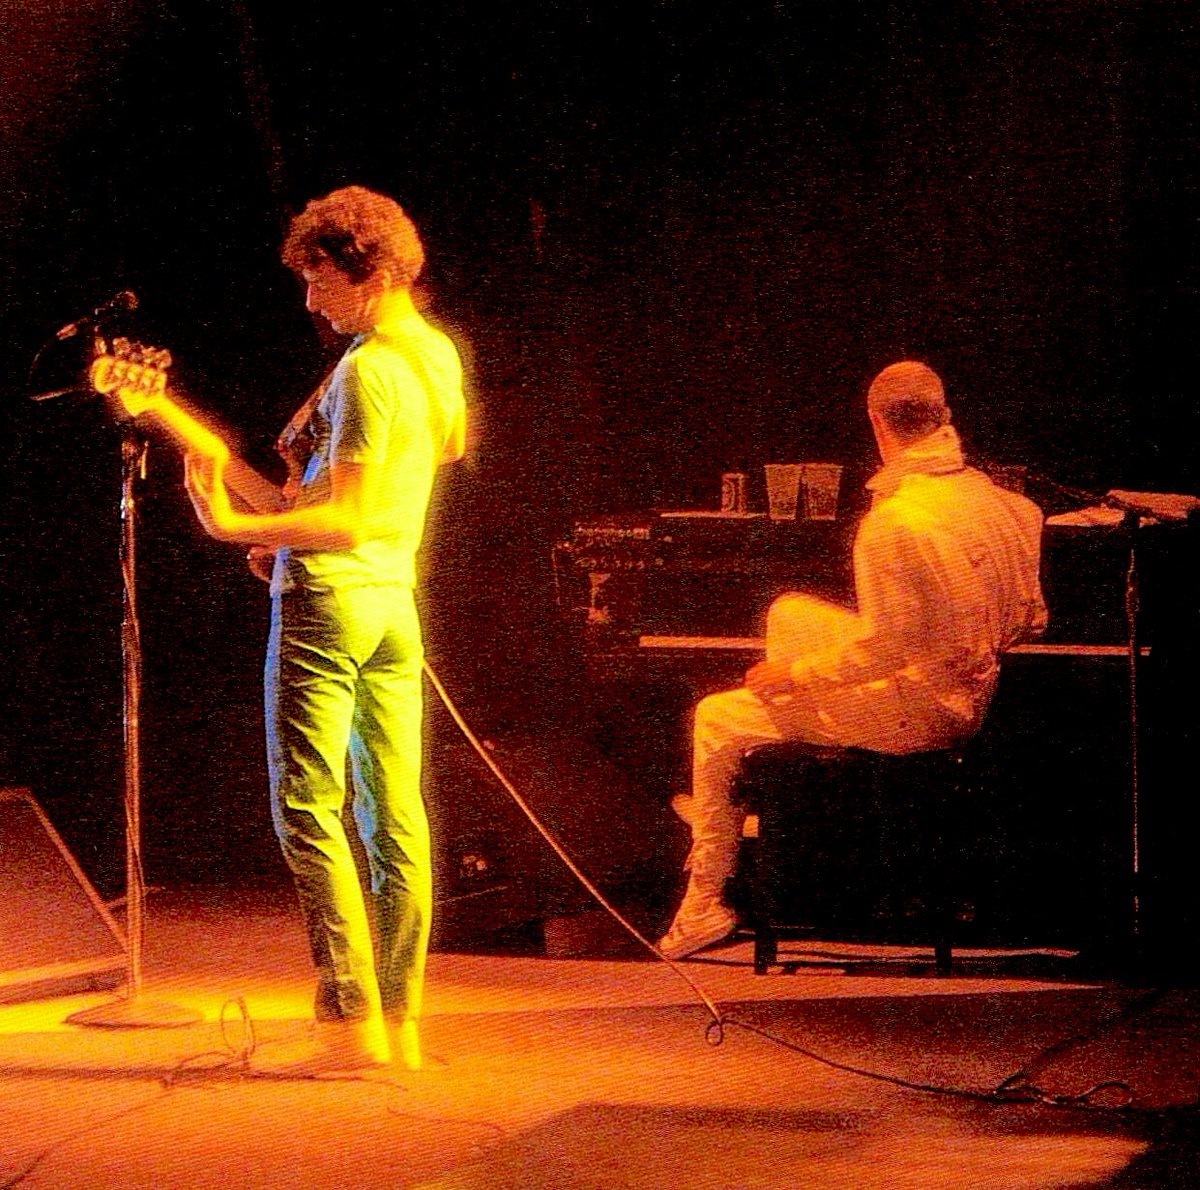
343	683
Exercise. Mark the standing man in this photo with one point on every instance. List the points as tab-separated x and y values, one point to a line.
946	578
343	668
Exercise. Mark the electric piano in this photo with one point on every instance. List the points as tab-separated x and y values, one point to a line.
1088	731
644	589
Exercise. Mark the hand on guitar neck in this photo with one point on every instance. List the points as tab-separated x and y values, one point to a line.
350	513
136	377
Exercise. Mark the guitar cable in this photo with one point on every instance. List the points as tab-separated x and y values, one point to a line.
716	1025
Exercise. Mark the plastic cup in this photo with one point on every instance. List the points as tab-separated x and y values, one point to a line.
783	490
821	484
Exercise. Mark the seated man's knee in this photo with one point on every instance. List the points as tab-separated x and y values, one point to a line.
798	624
786	608
720	713
787	620
708	712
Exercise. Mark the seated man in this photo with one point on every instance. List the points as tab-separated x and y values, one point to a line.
946	579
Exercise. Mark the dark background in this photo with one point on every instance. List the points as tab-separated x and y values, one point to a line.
671	239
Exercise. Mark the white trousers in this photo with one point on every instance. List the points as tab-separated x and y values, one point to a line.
727	724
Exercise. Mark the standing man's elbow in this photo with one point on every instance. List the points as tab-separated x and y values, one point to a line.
456	440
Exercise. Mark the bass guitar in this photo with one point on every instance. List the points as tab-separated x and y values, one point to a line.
136	376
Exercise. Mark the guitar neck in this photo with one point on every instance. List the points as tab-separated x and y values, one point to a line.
140	388
253	489
258	493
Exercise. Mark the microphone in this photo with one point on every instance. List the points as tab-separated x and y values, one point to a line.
118	303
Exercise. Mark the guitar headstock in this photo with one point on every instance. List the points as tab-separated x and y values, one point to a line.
136	374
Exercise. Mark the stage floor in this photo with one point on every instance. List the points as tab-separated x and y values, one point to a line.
602	1072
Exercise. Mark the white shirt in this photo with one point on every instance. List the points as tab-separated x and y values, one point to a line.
946	578
391	403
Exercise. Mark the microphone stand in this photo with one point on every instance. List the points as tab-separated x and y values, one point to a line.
1131	525
134	1011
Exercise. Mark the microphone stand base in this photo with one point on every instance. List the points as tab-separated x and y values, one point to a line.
137	1013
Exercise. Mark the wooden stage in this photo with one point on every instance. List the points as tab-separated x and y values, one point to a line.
843	1070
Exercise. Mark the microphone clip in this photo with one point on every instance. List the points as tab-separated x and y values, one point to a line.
119	303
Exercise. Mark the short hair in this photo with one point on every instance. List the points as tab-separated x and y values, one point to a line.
909	399
360	232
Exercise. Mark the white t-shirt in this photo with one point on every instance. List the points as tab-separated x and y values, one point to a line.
391	404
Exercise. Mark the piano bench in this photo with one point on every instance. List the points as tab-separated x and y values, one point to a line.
838	827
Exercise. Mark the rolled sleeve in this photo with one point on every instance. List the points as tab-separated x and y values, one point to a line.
363	418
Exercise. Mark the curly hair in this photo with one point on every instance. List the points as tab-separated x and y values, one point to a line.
360	232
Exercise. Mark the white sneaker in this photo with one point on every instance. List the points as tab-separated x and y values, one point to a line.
687	936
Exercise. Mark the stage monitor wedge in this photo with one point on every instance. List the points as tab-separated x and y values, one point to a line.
56	935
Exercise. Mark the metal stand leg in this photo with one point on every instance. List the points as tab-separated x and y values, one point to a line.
134	1011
